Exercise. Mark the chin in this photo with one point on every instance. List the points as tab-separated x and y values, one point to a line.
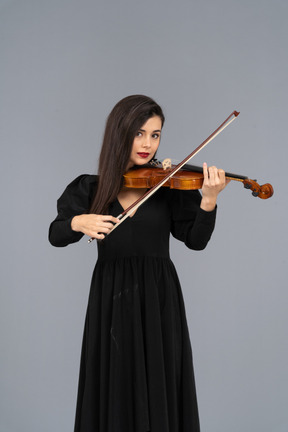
144	161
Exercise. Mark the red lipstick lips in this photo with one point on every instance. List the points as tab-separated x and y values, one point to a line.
143	155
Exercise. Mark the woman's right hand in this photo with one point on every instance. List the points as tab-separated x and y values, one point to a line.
95	226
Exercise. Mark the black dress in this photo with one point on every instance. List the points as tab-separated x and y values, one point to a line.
136	372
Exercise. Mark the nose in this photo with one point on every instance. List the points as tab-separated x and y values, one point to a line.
146	142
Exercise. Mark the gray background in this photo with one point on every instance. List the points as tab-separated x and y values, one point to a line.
64	64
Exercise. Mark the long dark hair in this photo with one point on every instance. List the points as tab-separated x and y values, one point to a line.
122	125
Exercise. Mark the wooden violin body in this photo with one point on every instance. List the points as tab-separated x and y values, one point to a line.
149	177
189	178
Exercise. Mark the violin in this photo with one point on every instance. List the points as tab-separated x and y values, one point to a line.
188	178
175	176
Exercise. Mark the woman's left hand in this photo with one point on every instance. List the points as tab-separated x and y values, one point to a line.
214	182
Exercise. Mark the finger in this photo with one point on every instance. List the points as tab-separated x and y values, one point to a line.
98	236
103	228
104	221
213	175
221	173
110	218
219	176
205	172
222	178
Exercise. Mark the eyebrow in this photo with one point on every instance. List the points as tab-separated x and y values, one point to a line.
143	130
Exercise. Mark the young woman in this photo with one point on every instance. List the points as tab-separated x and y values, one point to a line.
136	371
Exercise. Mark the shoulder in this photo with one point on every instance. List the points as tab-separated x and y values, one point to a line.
84	180
84	183
79	192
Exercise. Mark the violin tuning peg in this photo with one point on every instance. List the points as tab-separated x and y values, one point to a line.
264	191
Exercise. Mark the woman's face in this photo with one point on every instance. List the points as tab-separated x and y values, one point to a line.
146	142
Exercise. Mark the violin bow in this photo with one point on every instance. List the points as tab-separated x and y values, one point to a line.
133	207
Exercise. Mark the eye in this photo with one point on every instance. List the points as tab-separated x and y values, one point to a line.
139	133
156	136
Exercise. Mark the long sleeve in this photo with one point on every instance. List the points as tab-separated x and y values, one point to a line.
190	224
75	200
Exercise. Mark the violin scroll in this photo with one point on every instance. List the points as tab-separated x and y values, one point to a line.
261	191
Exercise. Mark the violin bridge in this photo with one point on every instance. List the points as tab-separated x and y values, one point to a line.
166	164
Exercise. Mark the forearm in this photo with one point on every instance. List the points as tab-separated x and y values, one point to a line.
61	233
199	234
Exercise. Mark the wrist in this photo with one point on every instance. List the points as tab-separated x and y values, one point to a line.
75	224
208	204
